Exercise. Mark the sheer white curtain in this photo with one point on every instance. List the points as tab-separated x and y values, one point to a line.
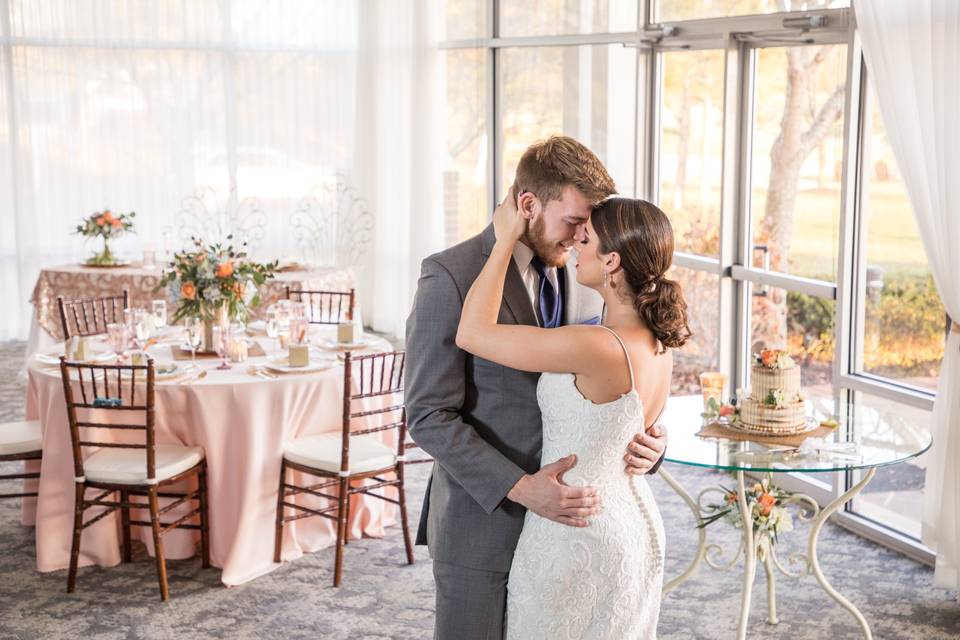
134	105
400	142
912	51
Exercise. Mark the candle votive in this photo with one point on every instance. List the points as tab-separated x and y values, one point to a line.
711	385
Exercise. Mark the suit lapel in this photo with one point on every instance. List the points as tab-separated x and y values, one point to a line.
514	293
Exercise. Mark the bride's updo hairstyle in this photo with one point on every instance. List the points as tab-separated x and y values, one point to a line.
642	235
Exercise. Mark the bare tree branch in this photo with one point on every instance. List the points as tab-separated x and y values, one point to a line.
829	113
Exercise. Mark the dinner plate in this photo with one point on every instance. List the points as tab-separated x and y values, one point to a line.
281	364
102	357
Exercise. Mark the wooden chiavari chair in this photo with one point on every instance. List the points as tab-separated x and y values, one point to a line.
129	469
20	441
352	462
325	307
90	316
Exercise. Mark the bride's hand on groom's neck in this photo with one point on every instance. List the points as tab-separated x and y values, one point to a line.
545	493
509	223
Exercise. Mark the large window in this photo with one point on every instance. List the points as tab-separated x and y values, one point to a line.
588	93
755	132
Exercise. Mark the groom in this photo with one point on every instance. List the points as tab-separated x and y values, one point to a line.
481	421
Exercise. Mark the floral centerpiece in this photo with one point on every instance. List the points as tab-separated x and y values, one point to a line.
105	224
214	282
766	504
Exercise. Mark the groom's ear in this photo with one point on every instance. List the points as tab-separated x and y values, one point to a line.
528	204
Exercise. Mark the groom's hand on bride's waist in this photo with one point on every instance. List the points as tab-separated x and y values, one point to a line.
545	493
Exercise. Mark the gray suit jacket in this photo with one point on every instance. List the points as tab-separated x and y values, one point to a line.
479	420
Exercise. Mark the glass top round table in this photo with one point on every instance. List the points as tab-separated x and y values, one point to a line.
866	441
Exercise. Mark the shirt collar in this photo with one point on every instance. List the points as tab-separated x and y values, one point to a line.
522	256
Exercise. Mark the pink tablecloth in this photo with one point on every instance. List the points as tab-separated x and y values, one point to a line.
242	422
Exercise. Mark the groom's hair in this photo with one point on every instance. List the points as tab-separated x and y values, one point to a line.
547	166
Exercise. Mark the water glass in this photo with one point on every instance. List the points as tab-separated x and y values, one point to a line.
273	325
159	308
142	326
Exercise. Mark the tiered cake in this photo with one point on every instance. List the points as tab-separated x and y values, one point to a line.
776	403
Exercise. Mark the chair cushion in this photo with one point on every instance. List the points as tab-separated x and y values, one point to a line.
129	466
323	452
19	437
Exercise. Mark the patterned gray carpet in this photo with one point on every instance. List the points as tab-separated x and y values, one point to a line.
383	599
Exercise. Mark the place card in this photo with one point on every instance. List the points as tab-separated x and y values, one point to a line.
299	355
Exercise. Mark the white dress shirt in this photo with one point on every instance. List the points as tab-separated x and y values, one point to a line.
522	257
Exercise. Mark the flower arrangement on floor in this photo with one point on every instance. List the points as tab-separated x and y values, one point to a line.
213	281
766	503
107	225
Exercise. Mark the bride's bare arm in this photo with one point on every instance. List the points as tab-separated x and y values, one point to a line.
563	350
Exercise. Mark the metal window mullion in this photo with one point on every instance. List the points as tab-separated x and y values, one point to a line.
884	535
838	20
848	254
735	211
883	388
652	102
810	287
697	262
494	130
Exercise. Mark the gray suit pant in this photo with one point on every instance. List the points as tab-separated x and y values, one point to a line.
471	603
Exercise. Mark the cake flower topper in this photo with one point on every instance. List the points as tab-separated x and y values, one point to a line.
774	359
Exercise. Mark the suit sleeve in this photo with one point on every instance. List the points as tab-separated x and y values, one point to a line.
435	392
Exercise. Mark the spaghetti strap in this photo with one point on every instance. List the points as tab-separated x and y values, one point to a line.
625	352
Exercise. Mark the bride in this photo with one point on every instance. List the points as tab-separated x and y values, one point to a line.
600	385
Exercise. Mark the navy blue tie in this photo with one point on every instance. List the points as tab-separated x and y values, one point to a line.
551	304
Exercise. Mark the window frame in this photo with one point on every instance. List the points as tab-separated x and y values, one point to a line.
740	37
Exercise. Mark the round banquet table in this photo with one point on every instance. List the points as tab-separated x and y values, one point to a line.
242	421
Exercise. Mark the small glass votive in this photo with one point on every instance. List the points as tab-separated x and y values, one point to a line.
711	385
238	349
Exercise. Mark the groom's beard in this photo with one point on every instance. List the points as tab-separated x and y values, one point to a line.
552	254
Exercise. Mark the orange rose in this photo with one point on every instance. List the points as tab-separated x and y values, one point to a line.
766	503
224	269
116	223
188	290
108	216
769	357
727	410
100	221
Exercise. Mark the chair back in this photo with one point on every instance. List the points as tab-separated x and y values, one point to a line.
325	307
117	390
378	376
90	316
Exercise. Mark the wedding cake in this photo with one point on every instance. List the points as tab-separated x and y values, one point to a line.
775	405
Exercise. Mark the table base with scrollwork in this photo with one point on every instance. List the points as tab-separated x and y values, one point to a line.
763	550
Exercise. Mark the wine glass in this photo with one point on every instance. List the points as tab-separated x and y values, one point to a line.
221	339
159	308
143	322
117	337
193	331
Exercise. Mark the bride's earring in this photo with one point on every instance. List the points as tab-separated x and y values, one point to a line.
606	279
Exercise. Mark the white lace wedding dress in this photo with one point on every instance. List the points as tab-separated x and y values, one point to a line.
600	582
